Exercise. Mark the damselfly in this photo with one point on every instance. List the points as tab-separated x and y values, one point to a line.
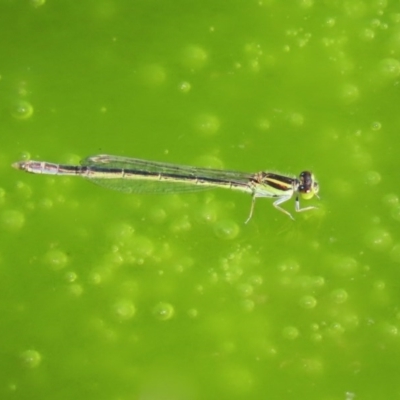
132	175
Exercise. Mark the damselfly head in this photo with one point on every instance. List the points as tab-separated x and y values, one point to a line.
308	186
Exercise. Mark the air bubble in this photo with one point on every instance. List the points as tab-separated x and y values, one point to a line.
208	124
56	259
263	124
12	220
124	309
395	253
226	229
185	87
350	93
37	3
376	126
194	57
163	311
308	302
389	68
290	332
154	75
372	178
378	239
22	109
296	119
339	296
31	358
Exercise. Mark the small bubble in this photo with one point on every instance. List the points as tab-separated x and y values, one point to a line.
263	124
367	34
389	68
207	124
121	231
312	365
395	253
379	285
31	358
124	309
316	337
336	329
142	246
391	200
376	126
163	311
181	224
330	22
290	332
245	290
22	109
75	289
390	330
57	259
71	276
395	212
350	93
185	87
12	220
248	305
207	214
306	3
194	57
296	119
37	3
372	178
378	239
308	302
226	229
289	267
153	75
256	280
339	296
193	313
158	215
351	321
345	266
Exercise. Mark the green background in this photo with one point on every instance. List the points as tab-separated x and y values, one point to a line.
105	295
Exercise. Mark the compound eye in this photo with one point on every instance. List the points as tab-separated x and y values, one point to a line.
306	182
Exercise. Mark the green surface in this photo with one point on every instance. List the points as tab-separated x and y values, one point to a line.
105	295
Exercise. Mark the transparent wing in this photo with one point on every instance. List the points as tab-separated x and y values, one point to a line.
133	175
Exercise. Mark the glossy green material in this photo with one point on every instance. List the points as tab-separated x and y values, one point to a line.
105	295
